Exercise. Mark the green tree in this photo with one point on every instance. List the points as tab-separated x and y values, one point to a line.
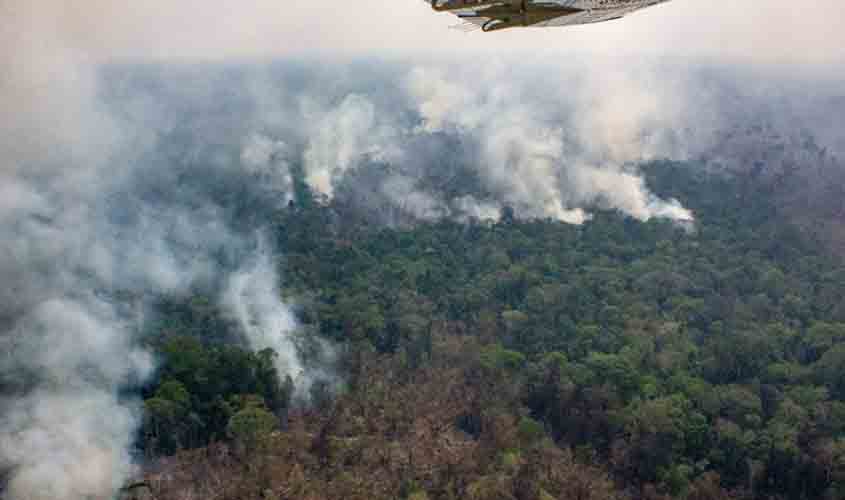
251	425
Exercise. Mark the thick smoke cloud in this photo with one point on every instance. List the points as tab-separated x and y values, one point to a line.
111	198
164	181
65	348
533	155
119	183
380	138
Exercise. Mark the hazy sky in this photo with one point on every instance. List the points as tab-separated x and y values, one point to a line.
771	31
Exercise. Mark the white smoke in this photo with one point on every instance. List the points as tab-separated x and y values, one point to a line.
253	297
625	191
68	443
402	191
92	210
540	164
66	350
471	207
71	347
70	436
98	198
86	212
531	154
268	160
340	137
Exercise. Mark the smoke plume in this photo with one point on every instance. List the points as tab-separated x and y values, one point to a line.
122	181
252	297
110	198
136	180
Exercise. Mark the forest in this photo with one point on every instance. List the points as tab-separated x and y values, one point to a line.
521	358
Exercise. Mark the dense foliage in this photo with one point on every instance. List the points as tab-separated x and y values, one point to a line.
531	359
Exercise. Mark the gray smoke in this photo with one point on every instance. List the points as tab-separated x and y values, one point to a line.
68	435
252	297
112	197
534	159
130	181
66	349
557	154
117	183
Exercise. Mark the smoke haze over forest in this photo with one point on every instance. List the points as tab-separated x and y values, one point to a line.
142	144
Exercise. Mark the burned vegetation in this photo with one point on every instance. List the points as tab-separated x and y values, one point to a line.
525	359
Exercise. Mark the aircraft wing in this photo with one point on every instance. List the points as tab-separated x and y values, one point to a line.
585	17
493	15
601	15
